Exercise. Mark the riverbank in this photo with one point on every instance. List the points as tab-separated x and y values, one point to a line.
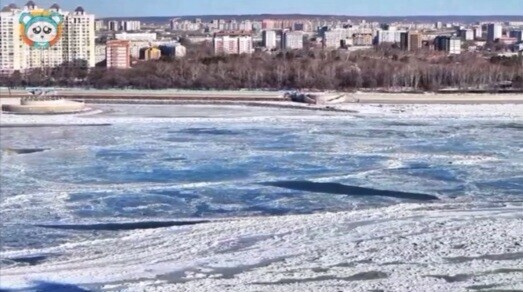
276	96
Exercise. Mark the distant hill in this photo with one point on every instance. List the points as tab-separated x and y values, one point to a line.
384	19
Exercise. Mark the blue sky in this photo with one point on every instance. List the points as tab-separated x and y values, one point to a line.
106	8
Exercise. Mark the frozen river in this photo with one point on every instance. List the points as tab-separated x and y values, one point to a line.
88	182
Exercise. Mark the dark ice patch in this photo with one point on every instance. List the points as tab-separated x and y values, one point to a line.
452	279
483	287
119	154
503	271
406	124
208	131
25	150
365	276
122	226
341	189
511	126
30	260
490	257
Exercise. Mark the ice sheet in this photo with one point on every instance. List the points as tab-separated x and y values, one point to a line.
131	166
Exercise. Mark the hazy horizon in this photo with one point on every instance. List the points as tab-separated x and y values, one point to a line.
357	8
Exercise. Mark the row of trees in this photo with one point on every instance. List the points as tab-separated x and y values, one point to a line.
384	67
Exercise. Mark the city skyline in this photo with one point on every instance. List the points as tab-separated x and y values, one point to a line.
135	8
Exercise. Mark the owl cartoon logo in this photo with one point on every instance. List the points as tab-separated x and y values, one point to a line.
41	29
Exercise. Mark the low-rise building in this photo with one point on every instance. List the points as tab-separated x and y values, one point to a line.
152	54
172	49
363	39
392	35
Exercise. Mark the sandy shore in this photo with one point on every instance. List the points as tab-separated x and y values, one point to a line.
275	96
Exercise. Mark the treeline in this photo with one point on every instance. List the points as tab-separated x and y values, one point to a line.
383	68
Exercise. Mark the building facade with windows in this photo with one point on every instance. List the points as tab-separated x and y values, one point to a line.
73	43
118	54
448	44
292	40
239	42
494	32
269	39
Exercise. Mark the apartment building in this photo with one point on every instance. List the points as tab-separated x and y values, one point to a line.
118	54
292	40
269	39
75	45
239	42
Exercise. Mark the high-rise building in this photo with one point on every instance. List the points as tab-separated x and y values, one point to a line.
71	38
269	39
130	25
118	54
404	41
99	25
517	34
411	41
466	34
114	25
239	42
494	32
454	46
451	45
79	37
478	32
100	53
125	25
292	40
333	39
415	41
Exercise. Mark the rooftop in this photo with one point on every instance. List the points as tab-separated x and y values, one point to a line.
233	33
